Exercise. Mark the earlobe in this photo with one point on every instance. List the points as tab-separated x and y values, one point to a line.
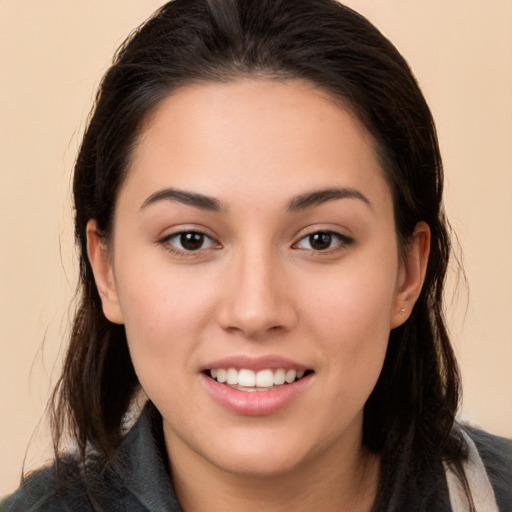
103	273
412	274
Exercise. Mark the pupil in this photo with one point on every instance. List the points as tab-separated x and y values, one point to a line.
320	241
191	241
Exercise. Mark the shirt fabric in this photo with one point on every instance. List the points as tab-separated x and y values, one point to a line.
137	479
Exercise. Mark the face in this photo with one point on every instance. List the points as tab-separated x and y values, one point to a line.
254	264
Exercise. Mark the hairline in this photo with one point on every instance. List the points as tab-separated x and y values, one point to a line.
285	77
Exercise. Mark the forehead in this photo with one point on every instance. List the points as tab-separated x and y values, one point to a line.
271	137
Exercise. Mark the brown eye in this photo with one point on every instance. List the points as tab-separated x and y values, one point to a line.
189	241
323	240
320	241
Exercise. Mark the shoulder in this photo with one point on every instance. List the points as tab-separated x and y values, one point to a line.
496	455
38	492
66	486
136	478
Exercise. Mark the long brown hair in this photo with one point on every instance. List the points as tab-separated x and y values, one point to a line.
408	418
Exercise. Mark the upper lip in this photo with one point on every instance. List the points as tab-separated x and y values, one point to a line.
270	361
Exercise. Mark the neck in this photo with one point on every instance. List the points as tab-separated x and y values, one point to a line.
334	482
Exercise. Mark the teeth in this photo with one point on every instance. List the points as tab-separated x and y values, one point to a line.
279	377
246	378
232	376
291	375
265	379
250	379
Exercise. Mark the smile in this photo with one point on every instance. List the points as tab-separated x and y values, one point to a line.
254	392
248	380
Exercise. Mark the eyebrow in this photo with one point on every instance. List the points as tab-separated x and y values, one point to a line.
318	197
300	202
189	198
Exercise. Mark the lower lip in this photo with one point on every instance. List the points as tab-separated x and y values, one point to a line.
256	403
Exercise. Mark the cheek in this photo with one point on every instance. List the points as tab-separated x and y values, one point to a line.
352	303
355	337
161	295
164	317
165	314
355	334
352	316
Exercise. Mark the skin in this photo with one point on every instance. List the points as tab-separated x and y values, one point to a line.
257	287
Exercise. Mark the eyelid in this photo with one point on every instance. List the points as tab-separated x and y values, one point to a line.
166	242
344	241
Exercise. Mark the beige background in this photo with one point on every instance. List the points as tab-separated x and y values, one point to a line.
52	54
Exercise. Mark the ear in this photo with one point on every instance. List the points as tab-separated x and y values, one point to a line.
411	274
101	264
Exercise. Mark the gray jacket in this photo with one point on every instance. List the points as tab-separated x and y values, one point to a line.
137	479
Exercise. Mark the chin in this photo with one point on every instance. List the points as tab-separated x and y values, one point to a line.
262	454
259	465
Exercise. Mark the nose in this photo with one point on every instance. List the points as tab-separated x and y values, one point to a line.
257	299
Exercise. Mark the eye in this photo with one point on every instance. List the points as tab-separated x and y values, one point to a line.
189	241
323	241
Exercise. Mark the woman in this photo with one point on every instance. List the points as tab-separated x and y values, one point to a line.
263	251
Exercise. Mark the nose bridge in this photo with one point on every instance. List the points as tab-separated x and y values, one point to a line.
256	301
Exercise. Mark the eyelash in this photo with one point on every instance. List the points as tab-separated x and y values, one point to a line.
166	242
342	242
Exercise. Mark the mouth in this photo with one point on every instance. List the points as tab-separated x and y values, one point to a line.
247	380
